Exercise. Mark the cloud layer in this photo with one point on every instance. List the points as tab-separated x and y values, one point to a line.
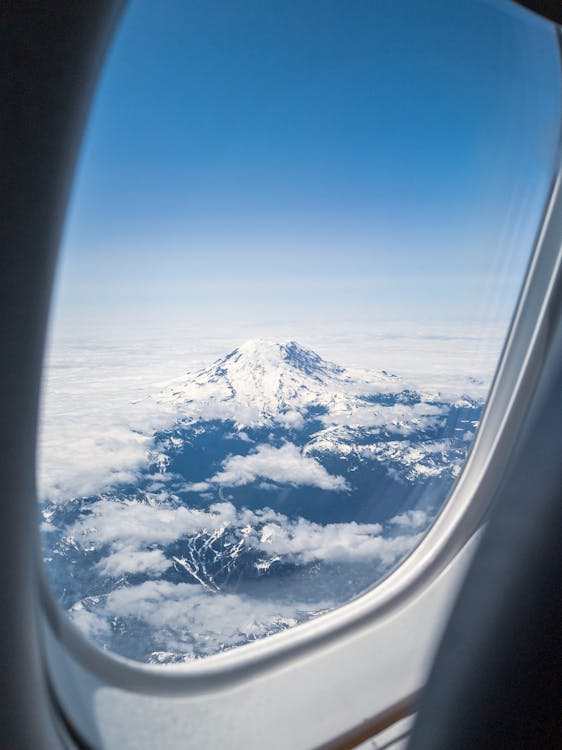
158	577
177	621
183	621
285	465
128	532
101	404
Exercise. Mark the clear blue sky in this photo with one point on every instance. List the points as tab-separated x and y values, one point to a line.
375	160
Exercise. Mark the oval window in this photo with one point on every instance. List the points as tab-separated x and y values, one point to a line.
297	236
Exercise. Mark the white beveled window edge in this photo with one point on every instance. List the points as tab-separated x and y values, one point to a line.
332	676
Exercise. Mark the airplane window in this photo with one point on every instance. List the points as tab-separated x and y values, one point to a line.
296	239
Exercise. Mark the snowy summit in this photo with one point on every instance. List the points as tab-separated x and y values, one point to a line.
263	381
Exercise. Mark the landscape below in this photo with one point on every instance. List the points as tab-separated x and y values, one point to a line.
284	486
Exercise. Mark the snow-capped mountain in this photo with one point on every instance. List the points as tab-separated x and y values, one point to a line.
264	381
323	408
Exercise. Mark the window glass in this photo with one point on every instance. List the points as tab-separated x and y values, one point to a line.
297	235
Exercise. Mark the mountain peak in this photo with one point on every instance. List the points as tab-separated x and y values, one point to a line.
268	354
266	379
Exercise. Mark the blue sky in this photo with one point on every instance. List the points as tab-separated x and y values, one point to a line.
326	161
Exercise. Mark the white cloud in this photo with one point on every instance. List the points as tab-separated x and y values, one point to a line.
98	416
302	542
133	522
411	519
83	461
103	391
197	487
285	465
184	618
131	560
93	625
132	530
292	420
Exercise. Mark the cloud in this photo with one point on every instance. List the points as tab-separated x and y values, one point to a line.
131	560
93	625
102	392
197	487
197	616
84	463
185	620
134	537
284	465
98	411
180	621
134	522
301	542
292	420
411	519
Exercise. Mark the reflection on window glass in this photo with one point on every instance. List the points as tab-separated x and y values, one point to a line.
297	235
